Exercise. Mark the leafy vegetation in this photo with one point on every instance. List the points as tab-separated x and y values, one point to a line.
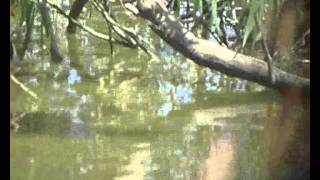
123	104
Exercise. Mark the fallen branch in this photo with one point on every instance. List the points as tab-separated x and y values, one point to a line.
23	87
212	55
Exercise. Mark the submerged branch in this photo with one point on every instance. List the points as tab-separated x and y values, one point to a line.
88	29
23	87
104	36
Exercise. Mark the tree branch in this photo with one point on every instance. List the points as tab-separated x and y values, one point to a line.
211	55
90	30
23	87
123	32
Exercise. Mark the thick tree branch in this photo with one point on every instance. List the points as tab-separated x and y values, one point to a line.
75	12
211	55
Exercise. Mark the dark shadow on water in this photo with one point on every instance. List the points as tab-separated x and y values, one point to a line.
290	141
54	124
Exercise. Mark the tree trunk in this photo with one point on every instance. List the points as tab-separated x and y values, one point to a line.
75	12
56	55
212	55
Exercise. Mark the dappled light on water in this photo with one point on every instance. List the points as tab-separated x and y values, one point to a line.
122	115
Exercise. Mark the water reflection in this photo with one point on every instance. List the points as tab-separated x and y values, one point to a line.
221	147
73	77
175	96
137	167
220	163
123	117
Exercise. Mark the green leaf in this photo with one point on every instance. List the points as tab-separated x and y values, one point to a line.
256	9
248	28
214	22
176	7
197	6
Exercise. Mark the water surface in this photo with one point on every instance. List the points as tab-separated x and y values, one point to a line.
128	117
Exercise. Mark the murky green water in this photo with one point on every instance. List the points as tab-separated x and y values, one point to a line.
126	117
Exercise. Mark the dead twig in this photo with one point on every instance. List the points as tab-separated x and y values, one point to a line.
23	87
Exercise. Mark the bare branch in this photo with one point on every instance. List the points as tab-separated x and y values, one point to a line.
123	32
88	29
23	87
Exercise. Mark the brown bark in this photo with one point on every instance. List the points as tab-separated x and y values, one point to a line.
75	12
56	55
211	55
288	28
